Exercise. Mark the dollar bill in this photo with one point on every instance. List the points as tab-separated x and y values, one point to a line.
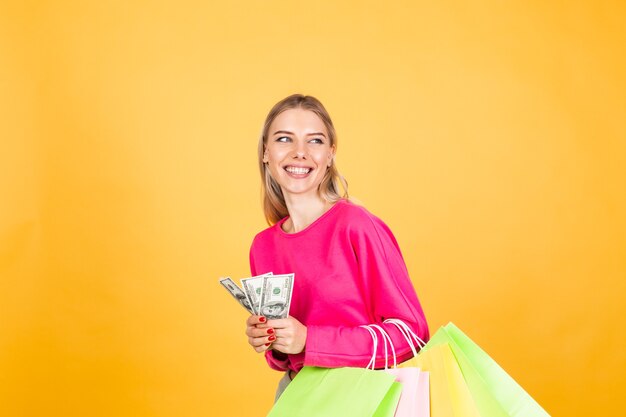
237	293
276	296
252	287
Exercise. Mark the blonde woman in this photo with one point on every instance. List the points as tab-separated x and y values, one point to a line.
349	270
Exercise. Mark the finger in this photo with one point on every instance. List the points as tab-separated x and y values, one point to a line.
283	333
259	332
257	326
255	342
262	348
280	347
254	319
258	341
279	323
281	340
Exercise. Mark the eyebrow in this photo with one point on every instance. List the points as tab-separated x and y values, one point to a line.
291	133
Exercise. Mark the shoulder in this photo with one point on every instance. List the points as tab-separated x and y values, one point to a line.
359	217
265	235
361	224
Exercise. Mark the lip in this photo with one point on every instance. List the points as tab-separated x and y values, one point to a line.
297	166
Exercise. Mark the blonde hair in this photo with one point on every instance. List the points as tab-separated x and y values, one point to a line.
274	206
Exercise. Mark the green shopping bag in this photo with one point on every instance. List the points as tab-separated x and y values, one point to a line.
339	392
495	393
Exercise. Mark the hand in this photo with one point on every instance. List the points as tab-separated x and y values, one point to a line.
290	335
260	334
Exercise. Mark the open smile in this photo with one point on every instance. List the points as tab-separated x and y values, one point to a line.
297	172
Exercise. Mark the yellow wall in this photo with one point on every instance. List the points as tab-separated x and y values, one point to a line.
491	137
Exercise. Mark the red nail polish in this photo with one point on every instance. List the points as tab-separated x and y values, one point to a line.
271	338
267	344
270	331
262	319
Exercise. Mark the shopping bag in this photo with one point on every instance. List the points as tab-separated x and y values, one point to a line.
449	393
414	400
495	393
423	394
338	392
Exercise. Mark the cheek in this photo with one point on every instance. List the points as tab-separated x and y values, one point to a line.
323	158
273	169
276	155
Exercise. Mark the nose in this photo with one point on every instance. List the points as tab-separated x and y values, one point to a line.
300	151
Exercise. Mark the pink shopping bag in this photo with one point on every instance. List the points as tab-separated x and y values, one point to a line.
414	400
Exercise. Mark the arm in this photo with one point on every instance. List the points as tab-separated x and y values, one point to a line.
388	293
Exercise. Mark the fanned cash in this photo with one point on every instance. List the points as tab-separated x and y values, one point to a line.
252	287
276	296
237	293
266	295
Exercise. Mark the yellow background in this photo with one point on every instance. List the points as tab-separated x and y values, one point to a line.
490	136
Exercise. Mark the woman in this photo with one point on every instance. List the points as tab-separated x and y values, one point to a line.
348	267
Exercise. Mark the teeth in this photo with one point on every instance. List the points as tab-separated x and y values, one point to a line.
298	170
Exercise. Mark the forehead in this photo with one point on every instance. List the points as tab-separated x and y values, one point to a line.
298	121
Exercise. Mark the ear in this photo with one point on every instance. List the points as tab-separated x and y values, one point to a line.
331	155
265	157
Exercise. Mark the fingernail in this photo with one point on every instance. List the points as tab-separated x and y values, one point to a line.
271	338
267	344
270	331
262	319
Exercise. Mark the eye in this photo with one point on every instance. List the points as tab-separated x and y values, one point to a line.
317	140
283	139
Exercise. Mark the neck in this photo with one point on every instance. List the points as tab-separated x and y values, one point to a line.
303	210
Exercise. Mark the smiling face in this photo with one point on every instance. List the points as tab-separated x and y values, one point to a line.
298	151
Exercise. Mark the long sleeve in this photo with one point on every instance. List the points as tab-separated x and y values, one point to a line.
349	272
275	363
386	287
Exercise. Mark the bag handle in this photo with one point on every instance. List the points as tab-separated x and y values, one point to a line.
408	334
387	343
372	361
387	339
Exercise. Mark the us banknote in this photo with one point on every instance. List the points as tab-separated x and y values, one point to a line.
237	293
276	296
252	287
